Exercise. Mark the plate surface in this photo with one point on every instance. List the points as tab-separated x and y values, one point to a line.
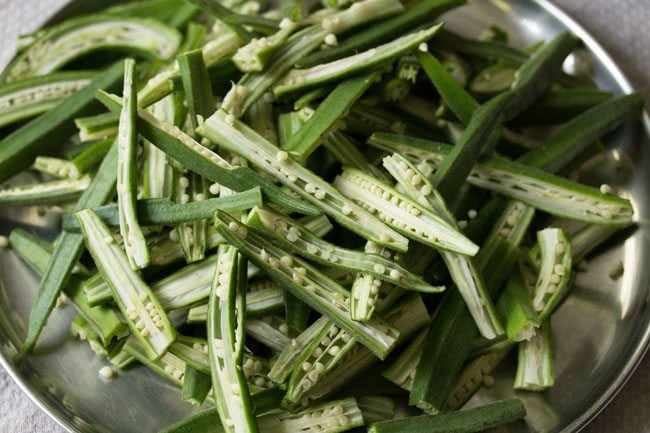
601	331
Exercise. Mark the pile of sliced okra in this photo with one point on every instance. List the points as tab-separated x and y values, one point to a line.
303	215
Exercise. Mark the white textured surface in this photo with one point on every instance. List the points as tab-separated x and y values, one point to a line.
622	29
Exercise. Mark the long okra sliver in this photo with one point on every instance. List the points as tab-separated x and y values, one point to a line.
466	421
165	212
69	248
19	149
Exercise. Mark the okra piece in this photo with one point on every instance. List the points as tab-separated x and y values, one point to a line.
464	421
20	148
516	307
348	154
226	342
292	236
45	193
80	36
587	239
301	79
144	314
262	118
68	250
311	134
169	366
462	269
562	105
240	139
365	290
97	127
554	277
417	13
38	253
475	374
196	386
376	408
56	167
220	12
401	213
30	97
513	223
535	370
402	371
197	86
308	284
494	79
127	151
192	235
255	55
168	11
537	73
272	331
157	211
582	131
536	188
202	160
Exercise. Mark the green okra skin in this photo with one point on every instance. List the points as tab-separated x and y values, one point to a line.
169	366
38	253
127	151
56	167
254	56
242	140
488	50
160	211
493	79
582	131
293	236
97	127
309	97
203	161
197	85
347	153
20	148
458	100
226	342
307	283
534	187
167	11
535	368
140	307
192	235
46	193
68	250
587	239
296	312
417	13
196	386
92	156
561	106
79	36
464	421
376	408
516	307
452	331
458	164
261	117
401	213
310	135
30	97
221	12
301	79
554	279
539	72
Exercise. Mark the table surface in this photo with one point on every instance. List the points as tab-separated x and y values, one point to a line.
628	41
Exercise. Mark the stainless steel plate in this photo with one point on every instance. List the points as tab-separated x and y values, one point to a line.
601	331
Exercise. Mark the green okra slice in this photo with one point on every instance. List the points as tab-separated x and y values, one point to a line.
224	129
301	79
157	172
516	307
292	236
202	160
165	212
401	213
97	127
226	342
588	238
582	131
80	36
79	328
197	85
376	408
168	11
196	386
554	278
310	135
19	148
253	85
408	315
494	79
68	250
416	14
192	235
365	290
535	368
347	153
308	284
462	269
475	374
464	421
127	153
30	97
45	193
272	331
262	118
56	167
169	366
144	314
38	253
92	156
254	56
513	223
402	371
537	73
536	188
